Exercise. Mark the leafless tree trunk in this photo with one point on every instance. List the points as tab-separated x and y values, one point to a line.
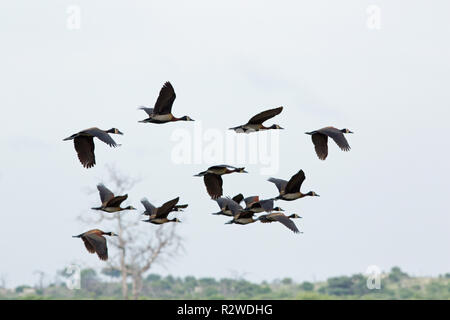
139	245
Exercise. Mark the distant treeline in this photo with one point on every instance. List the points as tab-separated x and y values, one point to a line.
395	284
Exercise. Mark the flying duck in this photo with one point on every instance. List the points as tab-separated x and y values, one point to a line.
84	143
256	122
159	215
162	111
290	190
95	242
111	203
282	218
213	180
151	209
225	205
320	140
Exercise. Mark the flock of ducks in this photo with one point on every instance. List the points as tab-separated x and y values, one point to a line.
289	190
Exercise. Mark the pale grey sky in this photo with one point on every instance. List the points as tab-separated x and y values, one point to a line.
384	203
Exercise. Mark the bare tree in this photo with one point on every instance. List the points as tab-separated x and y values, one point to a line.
139	247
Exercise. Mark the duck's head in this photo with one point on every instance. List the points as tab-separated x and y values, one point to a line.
345	130
130	208
312	194
277	209
186	118
114	130
230	222
111	234
294	216
241	170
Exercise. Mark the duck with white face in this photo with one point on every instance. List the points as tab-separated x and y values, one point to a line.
110	202
282	218
159	215
256	123
290	190
320	140
162	112
212	178
83	142
95	242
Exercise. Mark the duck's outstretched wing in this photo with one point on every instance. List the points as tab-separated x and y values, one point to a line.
165	99
265	115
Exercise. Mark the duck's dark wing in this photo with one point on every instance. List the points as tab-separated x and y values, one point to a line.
165	99
265	115
238	198
101	135
213	183
279	183
233	206
149	208
220	166
249	201
242	214
116	201
264	218
88	245
166	208
320	144
295	182
337	136
85	149
105	193
286	221
99	244
149	111
267	205
222	202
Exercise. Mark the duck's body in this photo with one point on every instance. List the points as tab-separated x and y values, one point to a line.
282	218
213	180
257	206
95	242
320	140
162	112
290	190
256	123
111	203
159	215
242	218
84	143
